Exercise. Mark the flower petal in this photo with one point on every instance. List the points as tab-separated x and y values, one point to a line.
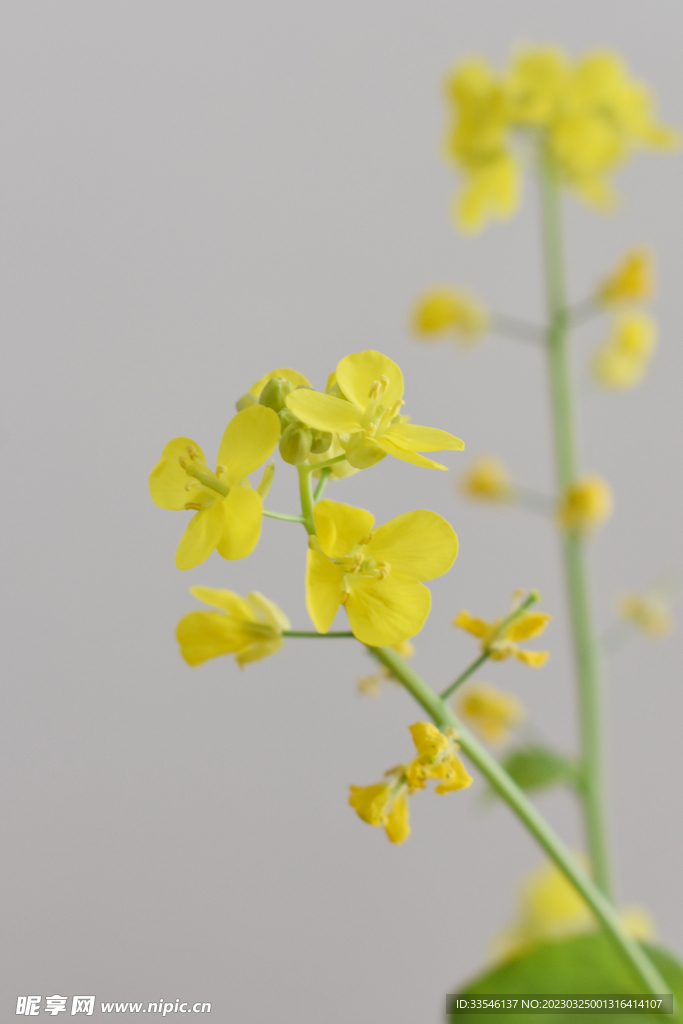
384	612
396	824
527	626
340	527
228	601
324	412
295	378
249	438
168	478
204	635
242	514
422	439
358	372
477	627
534	658
405	456
323	590
200	537
420	545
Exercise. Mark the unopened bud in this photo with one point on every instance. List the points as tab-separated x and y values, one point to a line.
286	419
321	441
274	393
245	401
266	481
295	444
363	456
336	392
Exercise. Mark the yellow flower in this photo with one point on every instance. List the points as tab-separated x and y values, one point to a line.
621	362
536	85
386	803
249	627
647	612
631	281
549	908
448	310
369	686
375	574
492	712
367	417
228	512
586	504
486	479
500	643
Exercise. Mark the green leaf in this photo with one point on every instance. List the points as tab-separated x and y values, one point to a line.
539	767
584	964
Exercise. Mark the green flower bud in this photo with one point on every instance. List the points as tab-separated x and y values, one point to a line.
245	401
286	418
336	392
360	453
320	442
274	393
295	444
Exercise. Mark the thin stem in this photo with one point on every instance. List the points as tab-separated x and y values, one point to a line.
316	636
520	805
310	467
520	330
322	483
283	515
306	495
585	649
465	675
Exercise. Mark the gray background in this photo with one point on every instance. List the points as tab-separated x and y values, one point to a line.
193	194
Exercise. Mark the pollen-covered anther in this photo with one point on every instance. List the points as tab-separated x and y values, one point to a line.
378	388
193	506
383	570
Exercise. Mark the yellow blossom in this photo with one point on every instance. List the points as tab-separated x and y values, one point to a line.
227	510
369	686
249	627
621	362
492	712
586	504
501	641
365	413
486	479
451	311
647	612
632	280
375	573
386	804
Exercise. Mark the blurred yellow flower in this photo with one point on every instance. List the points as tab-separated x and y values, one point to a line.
375	573
632	280
385	804
449	311
486	479
249	627
369	686
491	712
647	612
586	504
621	362
366	414
503	643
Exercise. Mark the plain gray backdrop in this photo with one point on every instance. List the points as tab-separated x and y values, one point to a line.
193	194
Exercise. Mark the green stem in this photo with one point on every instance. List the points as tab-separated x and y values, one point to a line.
516	800
465	675
312	467
520	330
304	471
585	649
316	636
322	483
283	515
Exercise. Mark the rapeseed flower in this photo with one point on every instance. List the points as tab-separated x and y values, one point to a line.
363	408
622	361
500	641
491	712
449	311
632	280
585	505
486	479
375	573
249	627
386	803
227	510
649	613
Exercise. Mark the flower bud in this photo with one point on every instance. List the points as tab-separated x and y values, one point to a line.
363	456
295	444
286	418
245	401
321	441
274	393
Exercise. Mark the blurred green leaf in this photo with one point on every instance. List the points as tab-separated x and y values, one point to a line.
535	768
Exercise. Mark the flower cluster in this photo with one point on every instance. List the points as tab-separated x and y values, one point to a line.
500	639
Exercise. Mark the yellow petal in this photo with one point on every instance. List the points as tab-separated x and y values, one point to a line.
204	635
168	478
242	513
323	590
405	456
420	545
201	536
429	741
340	527
385	612
369	801
249	438
260	648
422	439
477	627
324	412
295	378
457	776
396	824
357	373
228	601
527	626
534	658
